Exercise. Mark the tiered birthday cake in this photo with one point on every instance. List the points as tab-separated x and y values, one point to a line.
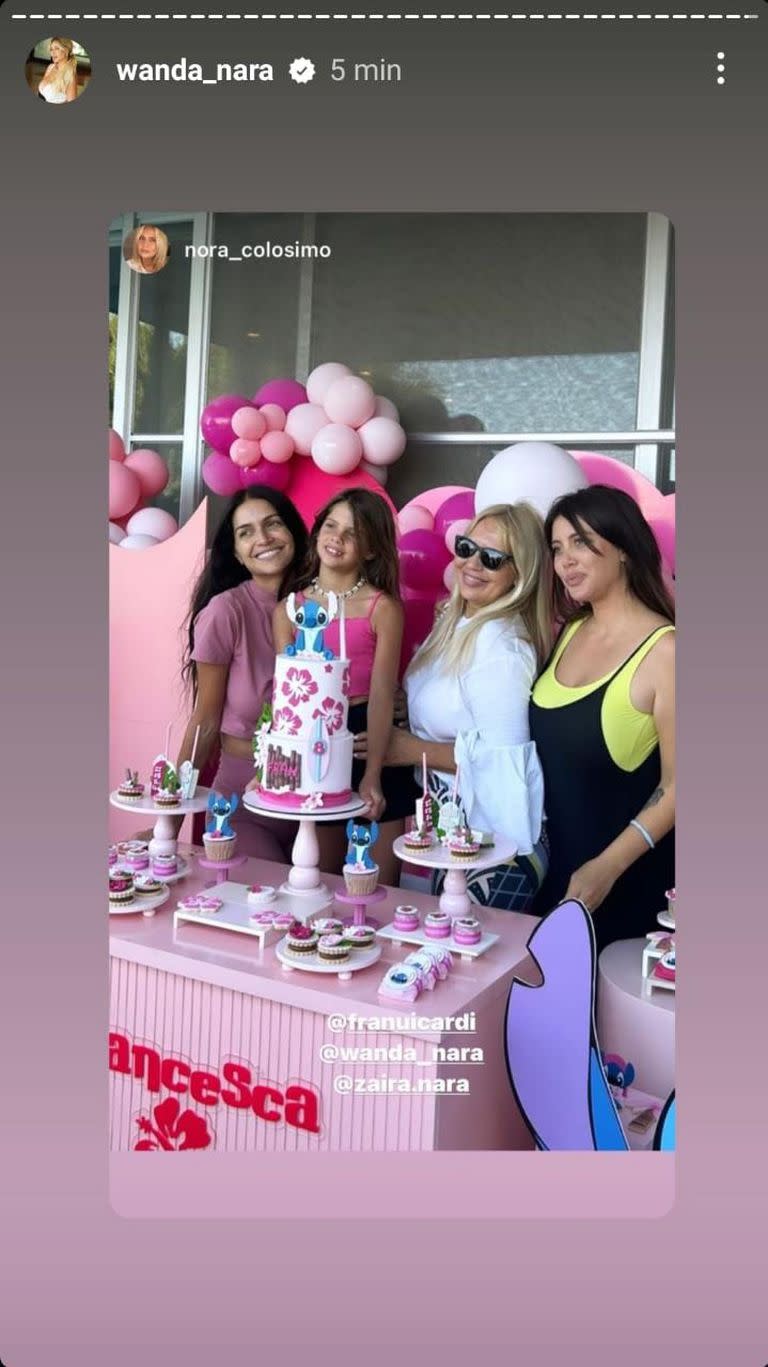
303	755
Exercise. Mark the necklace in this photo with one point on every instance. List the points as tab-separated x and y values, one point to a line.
317	588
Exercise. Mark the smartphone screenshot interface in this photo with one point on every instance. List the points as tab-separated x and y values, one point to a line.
350	363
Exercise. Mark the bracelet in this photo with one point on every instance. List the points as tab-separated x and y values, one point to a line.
647	837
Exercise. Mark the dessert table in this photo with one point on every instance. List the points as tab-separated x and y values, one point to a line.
213	1045
630	1022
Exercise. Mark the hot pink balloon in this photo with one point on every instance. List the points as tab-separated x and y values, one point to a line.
154	522
378	472
245	453
663	527
116	447
248	423
310	488
277	447
449	576
151	470
602	469
337	449
415	518
384	408
216	421
383	441
322	377
456	529
116	533
124	490
221	475
423	559
138	542
350	401
285	393
274	416
458	506
267	473
303	424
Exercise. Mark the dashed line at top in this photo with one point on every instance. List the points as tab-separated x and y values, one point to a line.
475	18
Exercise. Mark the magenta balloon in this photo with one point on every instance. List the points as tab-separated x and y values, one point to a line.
151	470
383	441
245	453
216	421
277	447
249	423
458	507
423	559
285	393
221	475
266	472
124	490
322	377
350	401
116	447
274	416
337	449
154	522
415	518
303	424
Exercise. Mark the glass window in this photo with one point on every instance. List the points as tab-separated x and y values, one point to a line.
115	262
487	322
161	358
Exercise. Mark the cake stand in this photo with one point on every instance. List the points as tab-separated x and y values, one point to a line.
359	901
304	877
454	899
312	963
146	905
221	867
164	832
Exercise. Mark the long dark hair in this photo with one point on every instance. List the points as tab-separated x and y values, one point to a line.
615	517
224	571
375	531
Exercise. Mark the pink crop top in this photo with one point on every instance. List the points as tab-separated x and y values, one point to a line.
361	648
235	629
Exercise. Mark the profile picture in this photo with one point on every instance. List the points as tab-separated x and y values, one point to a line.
58	70
146	249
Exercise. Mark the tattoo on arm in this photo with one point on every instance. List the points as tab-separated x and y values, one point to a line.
655	797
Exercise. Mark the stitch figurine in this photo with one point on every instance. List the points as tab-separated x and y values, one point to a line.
361	839
310	620
620	1075
220	810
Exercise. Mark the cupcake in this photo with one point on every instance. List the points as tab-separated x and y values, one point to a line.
167	798
219	848
437	925
359	880
401	982
137	859
418	839
360	937
130	789
332	949
467	930
146	885
463	847
120	886
260	895
406	918
328	925
165	865
301	941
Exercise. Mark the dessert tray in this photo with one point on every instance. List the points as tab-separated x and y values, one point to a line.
312	963
236	913
420	937
146	905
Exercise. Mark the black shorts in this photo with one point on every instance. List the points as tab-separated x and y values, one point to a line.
400	789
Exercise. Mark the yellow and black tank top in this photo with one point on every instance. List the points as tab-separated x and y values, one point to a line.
601	763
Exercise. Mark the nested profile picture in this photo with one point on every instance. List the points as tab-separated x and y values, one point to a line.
58	70
146	249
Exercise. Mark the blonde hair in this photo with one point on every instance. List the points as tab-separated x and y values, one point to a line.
67	73
161	248
528	601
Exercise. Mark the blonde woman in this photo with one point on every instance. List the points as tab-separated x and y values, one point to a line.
59	82
468	691
146	249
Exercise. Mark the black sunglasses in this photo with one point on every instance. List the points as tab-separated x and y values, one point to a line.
490	559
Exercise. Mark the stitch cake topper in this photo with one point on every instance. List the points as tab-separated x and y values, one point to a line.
310	620
362	838
220	809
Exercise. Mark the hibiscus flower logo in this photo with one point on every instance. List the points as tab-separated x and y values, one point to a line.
299	685
287	721
345	681
173	1129
332	713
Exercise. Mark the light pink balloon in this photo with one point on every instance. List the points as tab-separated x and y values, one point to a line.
116	533
124	490
454	530
449	576
245	453
138	542
155	522
303	424
274	416
350	401
383	441
322	377
116	447
378	472
415	518
248	423
384	408
277	447
336	449
151	470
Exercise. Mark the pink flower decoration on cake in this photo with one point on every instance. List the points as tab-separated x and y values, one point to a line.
332	713
328	668
299	685
287	721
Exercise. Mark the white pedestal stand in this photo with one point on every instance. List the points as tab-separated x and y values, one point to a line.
454	899
304	877
164	832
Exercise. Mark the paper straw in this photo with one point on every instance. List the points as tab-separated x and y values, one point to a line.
194	747
342	632
424	769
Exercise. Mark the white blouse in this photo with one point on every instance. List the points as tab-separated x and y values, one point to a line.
484	711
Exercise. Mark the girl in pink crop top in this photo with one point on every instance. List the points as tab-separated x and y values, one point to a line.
353	554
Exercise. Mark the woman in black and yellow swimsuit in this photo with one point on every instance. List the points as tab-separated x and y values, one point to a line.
602	716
